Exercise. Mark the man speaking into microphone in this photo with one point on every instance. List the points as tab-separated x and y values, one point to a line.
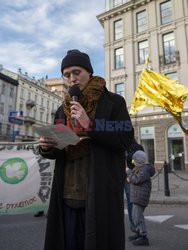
86	209
74	92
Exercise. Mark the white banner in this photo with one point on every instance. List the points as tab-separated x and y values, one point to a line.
25	180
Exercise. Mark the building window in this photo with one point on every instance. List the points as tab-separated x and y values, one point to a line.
147	135
21	107
117	3
142	51
47	118
141	20
169	48
36	99
10	109
48	104
22	93
29	96
11	91
166	12
35	113
173	75
119	89
3	89
41	116
42	102
109	4
1	108
119	62
118	29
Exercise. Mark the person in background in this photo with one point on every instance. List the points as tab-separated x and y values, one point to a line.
140	189
135	146
86	209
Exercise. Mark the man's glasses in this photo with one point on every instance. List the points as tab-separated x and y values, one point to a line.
74	73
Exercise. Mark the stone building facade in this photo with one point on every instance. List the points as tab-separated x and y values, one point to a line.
8	91
57	85
35	105
132	29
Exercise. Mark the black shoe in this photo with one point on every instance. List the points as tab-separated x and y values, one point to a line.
141	241
40	213
134	237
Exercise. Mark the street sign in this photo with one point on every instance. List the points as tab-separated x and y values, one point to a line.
14	117
15	120
16	114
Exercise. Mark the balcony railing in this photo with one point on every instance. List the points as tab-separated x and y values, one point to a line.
170	58
30	103
29	120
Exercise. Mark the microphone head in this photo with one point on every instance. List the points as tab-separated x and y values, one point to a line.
74	91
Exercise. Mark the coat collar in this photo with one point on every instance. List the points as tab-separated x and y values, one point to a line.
104	108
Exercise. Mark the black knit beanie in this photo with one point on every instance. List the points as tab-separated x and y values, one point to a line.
76	58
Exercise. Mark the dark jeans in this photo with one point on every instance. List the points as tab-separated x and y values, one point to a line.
129	205
74	226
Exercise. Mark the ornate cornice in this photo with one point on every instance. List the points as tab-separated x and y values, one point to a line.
134	4
119	77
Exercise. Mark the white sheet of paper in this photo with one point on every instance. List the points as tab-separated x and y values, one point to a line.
63	135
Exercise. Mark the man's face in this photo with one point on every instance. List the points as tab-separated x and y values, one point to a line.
76	75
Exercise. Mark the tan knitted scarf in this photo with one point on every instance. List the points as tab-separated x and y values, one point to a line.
88	99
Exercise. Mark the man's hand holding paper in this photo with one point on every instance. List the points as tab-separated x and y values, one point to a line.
47	143
56	136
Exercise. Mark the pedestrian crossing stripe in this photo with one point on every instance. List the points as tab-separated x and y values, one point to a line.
158	218
182	226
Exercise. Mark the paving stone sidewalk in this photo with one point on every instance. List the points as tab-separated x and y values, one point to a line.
178	186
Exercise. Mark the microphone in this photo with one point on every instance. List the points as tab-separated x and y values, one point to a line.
74	92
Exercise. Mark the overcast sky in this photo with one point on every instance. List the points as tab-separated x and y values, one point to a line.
35	34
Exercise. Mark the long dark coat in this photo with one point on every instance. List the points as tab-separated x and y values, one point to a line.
105	203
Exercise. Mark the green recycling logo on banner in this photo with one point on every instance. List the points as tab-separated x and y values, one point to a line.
13	170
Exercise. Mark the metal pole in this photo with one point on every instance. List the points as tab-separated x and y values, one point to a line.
158	187
166	183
